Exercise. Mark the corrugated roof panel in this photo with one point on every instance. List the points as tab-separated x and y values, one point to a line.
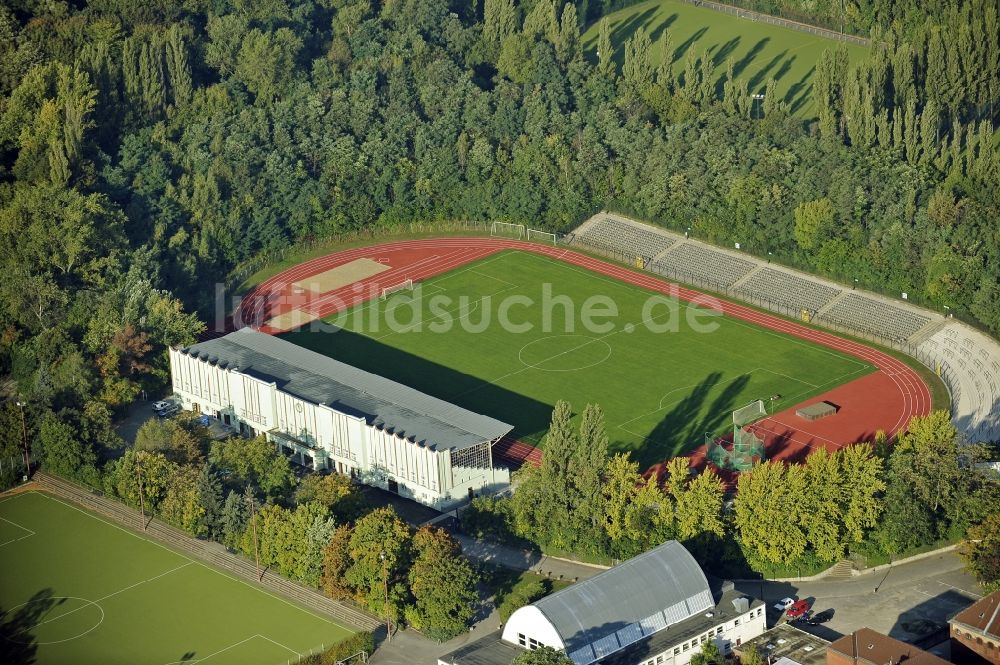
676	612
653	623
323	380
700	602
606	645
629	634
583	656
630	592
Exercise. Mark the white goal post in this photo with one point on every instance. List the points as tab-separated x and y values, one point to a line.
406	285
543	236
749	413
507	229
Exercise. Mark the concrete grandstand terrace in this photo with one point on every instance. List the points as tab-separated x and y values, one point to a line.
884	400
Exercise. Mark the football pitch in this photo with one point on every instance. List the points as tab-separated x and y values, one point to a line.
77	589
759	51
511	334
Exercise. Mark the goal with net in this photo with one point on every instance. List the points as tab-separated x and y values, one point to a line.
745	448
507	230
750	413
541	236
406	285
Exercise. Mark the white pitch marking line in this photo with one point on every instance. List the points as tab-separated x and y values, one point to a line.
115	593
23	528
203	565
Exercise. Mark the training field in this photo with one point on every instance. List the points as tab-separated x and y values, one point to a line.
661	390
759	51
76	589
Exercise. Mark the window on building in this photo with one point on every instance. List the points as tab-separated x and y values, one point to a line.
659	659
686	646
677	651
737	622
522	640
703	638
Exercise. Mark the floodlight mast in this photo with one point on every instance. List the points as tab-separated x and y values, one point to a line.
253	521
138	476
385	579
24	440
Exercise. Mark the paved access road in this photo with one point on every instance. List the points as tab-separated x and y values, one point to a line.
911	598
929	590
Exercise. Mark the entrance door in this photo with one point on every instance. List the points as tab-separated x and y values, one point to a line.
394	486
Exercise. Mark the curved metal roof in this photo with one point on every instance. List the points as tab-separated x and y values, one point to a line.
640	596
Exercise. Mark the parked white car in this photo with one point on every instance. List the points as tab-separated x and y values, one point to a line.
784	604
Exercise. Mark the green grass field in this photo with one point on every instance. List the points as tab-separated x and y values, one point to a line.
759	51
661	390
76	589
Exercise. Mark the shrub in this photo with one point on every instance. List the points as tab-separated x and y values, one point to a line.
522	595
364	641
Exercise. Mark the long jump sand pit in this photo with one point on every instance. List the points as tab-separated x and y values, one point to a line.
341	276
290	320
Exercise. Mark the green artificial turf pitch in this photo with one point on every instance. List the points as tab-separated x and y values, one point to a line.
76	589
661	391
759	51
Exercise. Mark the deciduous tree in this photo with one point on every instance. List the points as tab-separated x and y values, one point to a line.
442	583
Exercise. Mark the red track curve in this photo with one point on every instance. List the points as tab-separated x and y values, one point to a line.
424	258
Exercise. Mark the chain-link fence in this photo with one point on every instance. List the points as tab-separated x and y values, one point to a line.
785	19
206	551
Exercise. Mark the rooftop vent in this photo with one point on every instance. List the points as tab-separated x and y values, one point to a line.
728	586
741	604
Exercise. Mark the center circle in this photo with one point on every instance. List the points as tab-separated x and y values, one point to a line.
564	353
65	618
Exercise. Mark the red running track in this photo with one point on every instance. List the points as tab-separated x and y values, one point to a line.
882	401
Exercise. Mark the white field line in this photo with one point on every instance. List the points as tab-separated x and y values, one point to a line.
23	528
195	561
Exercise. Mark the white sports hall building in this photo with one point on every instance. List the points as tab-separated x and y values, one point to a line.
328	415
655	609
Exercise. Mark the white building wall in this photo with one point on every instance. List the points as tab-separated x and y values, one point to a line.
528	624
345	443
734	632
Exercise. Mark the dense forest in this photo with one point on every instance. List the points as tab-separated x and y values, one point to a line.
148	148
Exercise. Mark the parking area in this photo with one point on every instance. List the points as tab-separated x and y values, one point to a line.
137	413
142	410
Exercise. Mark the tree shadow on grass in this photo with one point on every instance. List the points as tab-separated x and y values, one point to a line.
529	416
654	34
745	61
798	87
683	428
725	51
621	33
761	74
786	67
17	642
681	50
